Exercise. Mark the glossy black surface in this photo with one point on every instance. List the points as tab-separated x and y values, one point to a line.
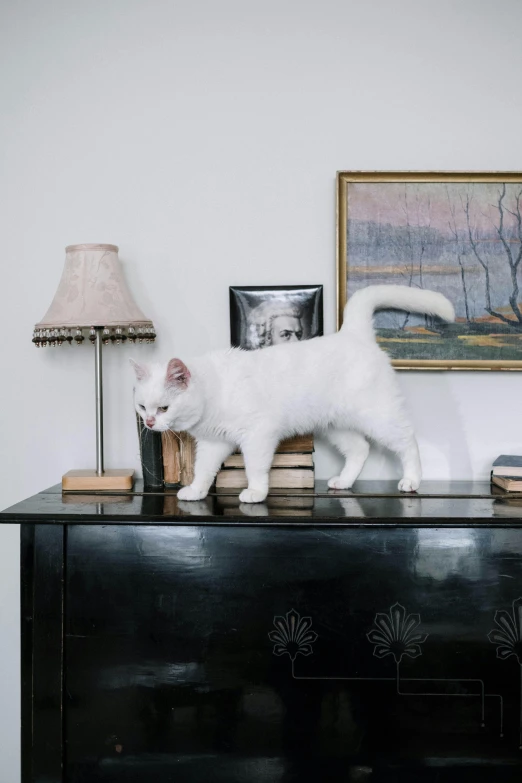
171	671
152	650
47	679
370	503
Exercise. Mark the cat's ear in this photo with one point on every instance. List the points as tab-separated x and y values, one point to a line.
178	374
141	370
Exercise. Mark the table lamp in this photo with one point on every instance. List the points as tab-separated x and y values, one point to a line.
93	300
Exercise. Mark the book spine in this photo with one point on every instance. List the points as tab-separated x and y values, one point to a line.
279	478
280	461
171	458
178	458
299	444
150	455
188	458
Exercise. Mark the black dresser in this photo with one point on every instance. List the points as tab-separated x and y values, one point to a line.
322	636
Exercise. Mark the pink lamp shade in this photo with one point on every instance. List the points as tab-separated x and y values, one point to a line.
93	294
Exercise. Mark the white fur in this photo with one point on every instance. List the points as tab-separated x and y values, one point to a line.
342	385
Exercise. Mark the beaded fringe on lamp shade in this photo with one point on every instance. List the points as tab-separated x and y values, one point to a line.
92	294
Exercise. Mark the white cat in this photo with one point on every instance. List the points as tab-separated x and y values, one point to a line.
341	385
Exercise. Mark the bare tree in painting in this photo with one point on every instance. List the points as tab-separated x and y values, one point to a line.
416	247
452	224
513	261
424	234
411	272
406	212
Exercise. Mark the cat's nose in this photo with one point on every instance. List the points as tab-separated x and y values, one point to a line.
150	421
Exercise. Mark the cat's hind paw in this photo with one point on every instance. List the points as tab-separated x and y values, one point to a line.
409	484
192	493
336	482
252	496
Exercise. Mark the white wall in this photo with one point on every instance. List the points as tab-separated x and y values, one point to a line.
203	137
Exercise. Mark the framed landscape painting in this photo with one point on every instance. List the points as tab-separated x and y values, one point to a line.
454	232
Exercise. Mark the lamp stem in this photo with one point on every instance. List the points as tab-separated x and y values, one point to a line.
98	373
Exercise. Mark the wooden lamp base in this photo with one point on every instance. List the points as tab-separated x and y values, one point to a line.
122	478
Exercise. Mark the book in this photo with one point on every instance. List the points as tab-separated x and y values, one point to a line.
283	460
178	451
507	465
296	445
300	444
150	455
285	478
509	483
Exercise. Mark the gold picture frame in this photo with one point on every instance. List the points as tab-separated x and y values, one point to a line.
460	230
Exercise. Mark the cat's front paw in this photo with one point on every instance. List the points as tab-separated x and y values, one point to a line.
409	484
252	496
192	493
336	482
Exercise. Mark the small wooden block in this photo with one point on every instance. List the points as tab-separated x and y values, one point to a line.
89	479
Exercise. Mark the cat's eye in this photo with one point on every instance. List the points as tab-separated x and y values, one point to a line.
164	409
141	407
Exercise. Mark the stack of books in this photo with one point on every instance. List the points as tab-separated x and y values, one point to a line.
292	468
506	472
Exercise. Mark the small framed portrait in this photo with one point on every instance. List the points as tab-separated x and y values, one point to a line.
261	316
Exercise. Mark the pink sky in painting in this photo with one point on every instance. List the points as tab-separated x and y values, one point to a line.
423	204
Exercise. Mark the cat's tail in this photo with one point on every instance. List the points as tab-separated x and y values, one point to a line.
358	313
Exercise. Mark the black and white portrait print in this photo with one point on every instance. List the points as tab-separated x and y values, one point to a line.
261	316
